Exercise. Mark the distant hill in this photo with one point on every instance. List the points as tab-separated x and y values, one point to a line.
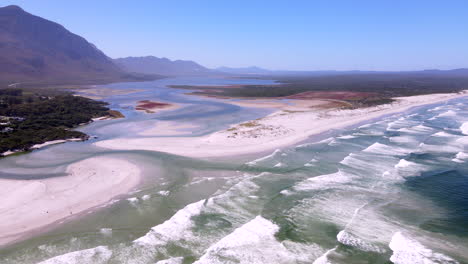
245	70
163	66
256	71
34	49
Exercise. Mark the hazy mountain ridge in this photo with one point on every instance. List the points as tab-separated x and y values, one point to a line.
254	70
244	70
36	49
162	66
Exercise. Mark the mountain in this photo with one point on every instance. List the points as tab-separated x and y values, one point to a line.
33	49
463	72
162	66
245	70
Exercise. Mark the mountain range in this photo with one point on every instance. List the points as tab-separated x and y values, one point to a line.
244	70
33	49
162	66
36	50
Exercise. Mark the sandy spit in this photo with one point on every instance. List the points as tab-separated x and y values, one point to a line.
280	129
30	205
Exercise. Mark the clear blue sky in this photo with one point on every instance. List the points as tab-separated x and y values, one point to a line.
306	35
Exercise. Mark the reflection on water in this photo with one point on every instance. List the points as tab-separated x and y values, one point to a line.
389	190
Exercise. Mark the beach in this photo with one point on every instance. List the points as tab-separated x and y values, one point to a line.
276	173
279	129
31	205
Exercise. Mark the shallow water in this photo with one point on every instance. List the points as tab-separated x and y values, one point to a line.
392	190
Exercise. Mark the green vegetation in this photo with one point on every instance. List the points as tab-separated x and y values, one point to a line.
370	88
249	124
115	114
28	118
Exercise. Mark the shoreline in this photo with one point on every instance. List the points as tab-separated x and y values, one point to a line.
40	146
31	206
277	130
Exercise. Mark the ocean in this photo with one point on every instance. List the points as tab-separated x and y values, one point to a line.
391	190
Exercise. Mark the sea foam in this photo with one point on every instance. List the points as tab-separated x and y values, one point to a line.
464	128
449	113
404	164
409	251
254	242
323	181
176	260
382	149
349	239
272	155
173	228
99	254
460	157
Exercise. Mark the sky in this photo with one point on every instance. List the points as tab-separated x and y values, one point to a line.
281	35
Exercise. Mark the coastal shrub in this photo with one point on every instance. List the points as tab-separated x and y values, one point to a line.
35	119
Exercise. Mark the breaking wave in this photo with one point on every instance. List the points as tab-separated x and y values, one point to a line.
409	251
96	255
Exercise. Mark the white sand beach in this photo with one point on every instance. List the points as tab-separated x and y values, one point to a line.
282	128
28	206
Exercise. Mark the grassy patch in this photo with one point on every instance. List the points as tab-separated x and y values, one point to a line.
249	124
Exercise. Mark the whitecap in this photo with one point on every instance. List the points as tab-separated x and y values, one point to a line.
176	260
178	228
164	193
254	162
400	123
378	148
409	251
360	162
365	126
347	137
435	109
416	129
106	231
322	181
278	165
324	258
404	164
438	148
449	113
254	242
402	139
349	239
443	134
463	141
171	229
460	157
327	140
464	128
99	254
133	200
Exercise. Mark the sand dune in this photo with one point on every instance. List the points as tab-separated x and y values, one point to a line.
279	129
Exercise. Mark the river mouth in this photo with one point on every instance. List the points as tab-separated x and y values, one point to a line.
351	196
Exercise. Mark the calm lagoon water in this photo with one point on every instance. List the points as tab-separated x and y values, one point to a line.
392	190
